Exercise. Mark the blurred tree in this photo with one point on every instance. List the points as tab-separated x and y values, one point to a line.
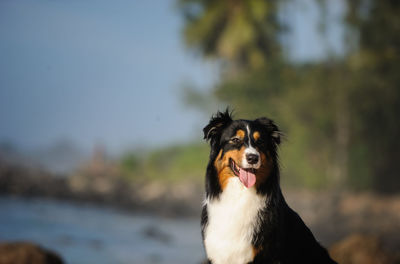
242	33
376	96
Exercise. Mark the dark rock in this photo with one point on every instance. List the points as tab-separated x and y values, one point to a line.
361	249
27	253
30	182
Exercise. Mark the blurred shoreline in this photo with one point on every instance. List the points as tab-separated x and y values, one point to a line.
172	200
332	215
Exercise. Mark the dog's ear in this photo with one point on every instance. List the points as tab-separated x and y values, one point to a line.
217	123
271	128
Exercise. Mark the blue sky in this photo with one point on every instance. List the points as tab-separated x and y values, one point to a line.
109	72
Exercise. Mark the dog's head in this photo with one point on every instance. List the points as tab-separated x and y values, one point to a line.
242	148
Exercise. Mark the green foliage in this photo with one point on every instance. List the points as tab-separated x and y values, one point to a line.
243	32
174	163
375	66
361	174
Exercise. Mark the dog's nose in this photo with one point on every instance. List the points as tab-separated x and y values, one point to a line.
252	158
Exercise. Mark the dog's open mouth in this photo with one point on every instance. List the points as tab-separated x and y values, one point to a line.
246	176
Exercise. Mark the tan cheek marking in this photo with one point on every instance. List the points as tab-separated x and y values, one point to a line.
255	251
240	133
223	168
256	135
237	155
217	159
218	163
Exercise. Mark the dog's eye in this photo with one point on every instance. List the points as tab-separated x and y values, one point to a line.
235	140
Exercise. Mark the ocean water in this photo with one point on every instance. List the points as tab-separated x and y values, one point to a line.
90	234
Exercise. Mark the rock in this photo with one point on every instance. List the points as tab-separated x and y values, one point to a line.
360	249
27	253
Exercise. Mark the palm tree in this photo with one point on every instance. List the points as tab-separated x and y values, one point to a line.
242	33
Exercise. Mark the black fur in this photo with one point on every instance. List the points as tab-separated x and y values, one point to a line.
283	237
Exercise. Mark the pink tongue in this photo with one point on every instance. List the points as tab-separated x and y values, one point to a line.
247	178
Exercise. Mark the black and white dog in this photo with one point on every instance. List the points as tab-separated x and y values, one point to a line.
245	218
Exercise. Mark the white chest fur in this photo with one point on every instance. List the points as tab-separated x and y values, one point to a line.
232	220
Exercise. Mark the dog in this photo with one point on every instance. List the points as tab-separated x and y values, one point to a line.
245	218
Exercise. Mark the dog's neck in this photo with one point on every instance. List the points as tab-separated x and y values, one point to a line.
233	216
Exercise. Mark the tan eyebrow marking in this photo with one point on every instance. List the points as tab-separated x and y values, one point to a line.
256	135
240	133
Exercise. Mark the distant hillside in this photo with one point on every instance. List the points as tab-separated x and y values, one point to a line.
61	157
